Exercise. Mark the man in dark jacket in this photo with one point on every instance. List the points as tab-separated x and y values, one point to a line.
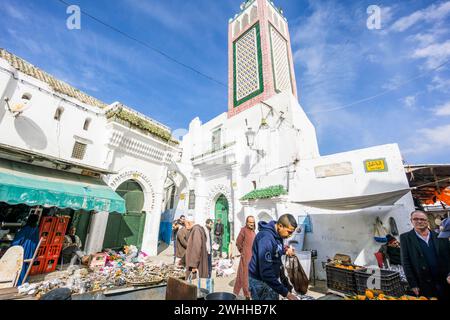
425	259
218	236
265	268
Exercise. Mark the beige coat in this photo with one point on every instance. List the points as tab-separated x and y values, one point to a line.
196	252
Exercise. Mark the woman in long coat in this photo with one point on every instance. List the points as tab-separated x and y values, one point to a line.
244	244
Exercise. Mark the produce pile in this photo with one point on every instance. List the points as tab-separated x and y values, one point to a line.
346	267
379	295
122	269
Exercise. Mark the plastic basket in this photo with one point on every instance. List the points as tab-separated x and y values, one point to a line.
50	265
37	266
46	229
54	251
340	280
59	230
389	281
42	252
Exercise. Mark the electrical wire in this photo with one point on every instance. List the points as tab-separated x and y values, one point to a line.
148	46
383	92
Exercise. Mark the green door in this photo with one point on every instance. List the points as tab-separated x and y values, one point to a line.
127	229
221	212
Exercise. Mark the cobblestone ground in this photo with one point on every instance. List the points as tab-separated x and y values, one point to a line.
226	284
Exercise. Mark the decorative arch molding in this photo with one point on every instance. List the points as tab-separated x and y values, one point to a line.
115	180
212	197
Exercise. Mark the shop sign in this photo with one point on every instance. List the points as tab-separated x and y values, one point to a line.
182	196
333	170
376	165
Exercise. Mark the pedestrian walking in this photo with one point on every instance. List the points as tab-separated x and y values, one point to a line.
218	236
198	251
182	242
176	225
244	243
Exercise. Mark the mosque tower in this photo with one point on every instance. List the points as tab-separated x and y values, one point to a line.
260	56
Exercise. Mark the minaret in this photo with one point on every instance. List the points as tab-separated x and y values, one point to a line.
259	56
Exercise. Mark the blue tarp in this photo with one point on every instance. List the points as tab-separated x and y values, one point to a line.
28	238
165	231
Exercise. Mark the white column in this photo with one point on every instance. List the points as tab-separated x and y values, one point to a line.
237	206
151	228
96	235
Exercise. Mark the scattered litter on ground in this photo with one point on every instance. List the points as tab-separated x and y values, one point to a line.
129	267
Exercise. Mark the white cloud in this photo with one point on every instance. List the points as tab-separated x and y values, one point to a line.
435	54
393	83
430	140
12	11
410	102
439	84
443	110
429	14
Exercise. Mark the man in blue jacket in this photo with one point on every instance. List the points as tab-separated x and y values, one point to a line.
265	266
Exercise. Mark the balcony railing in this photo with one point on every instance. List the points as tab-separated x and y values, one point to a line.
213	151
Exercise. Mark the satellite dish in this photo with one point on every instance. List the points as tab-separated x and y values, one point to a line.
20	107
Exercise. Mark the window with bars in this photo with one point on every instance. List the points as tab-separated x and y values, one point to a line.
79	150
191	199
215	141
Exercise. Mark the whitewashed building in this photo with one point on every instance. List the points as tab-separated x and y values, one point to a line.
63	137
261	157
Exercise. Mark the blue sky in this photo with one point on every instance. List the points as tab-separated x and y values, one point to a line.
338	62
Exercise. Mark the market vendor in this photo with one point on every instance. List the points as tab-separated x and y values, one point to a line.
391	251
72	247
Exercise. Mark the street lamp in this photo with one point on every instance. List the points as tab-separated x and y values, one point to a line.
250	135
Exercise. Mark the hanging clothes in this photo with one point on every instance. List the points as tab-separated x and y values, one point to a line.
393	226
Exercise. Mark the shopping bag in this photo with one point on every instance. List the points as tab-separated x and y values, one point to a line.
297	275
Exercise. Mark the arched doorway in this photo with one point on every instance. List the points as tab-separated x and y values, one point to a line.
221	212
264	216
127	229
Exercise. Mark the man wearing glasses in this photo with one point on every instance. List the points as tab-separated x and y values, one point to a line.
265	268
425	259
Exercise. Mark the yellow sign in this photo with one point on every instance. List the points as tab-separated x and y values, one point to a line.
182	196
376	165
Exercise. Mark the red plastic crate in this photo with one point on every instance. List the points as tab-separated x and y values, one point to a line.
37	266
51	259
42	252
50	265
46	229
46	224
54	251
60	230
61	224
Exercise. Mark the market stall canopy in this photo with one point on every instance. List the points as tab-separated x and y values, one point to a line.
428	181
359	202
22	183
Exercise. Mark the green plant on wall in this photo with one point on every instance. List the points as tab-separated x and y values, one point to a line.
138	122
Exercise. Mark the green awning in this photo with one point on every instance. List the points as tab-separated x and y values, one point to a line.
266	193
22	183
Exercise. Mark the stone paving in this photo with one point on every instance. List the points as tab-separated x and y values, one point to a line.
226	284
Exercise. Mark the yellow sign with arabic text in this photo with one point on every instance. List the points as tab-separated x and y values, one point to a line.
376	165
182	196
